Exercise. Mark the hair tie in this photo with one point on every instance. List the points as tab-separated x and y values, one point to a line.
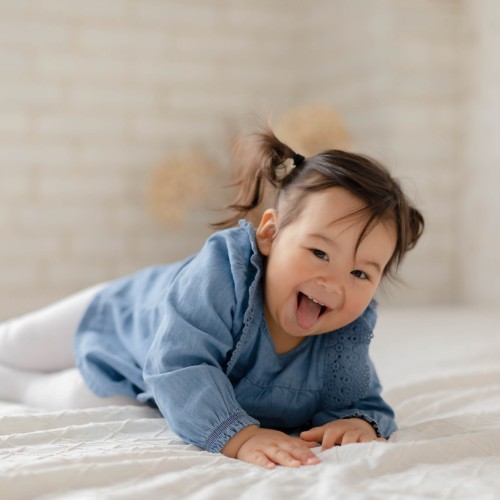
297	159
286	168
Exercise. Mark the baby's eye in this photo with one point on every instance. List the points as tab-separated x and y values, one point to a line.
359	274
320	254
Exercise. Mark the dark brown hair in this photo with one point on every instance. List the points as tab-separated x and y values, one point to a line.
261	158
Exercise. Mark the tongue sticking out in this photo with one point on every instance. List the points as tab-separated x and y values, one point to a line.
308	311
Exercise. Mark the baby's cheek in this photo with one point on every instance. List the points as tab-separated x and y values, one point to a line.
359	304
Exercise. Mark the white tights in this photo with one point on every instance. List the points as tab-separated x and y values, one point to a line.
37	367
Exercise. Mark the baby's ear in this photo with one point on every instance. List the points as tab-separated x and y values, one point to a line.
266	231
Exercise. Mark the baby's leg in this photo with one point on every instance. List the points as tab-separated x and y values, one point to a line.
42	341
37	367
63	390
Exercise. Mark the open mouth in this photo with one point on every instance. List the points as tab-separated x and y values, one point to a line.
309	310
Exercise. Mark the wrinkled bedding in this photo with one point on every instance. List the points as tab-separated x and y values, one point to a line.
441	372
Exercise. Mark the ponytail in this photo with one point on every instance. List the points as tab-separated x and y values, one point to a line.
262	162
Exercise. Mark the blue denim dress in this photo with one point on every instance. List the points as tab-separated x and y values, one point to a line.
191	338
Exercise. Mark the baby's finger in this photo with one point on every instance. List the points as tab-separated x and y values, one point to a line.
310	444
259	458
304	455
350	437
365	438
314	434
282	457
331	438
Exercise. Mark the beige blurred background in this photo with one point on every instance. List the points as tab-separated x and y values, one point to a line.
106	107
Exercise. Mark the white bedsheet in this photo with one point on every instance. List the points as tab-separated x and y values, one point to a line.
441	372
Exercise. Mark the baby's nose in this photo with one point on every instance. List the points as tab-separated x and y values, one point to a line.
332	286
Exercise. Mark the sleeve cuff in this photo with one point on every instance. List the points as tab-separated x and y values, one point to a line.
225	431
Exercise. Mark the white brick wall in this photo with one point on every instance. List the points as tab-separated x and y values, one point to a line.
94	95
479	242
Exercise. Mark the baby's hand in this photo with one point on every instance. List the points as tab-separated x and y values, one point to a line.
340	432
268	448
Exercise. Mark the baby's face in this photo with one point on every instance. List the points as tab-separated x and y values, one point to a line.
316	281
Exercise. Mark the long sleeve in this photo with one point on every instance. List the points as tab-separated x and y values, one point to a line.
371	408
185	366
352	387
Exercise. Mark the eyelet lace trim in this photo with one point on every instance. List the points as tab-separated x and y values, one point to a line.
347	374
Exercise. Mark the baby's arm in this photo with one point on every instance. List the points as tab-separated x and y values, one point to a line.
340	432
363	420
268	448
